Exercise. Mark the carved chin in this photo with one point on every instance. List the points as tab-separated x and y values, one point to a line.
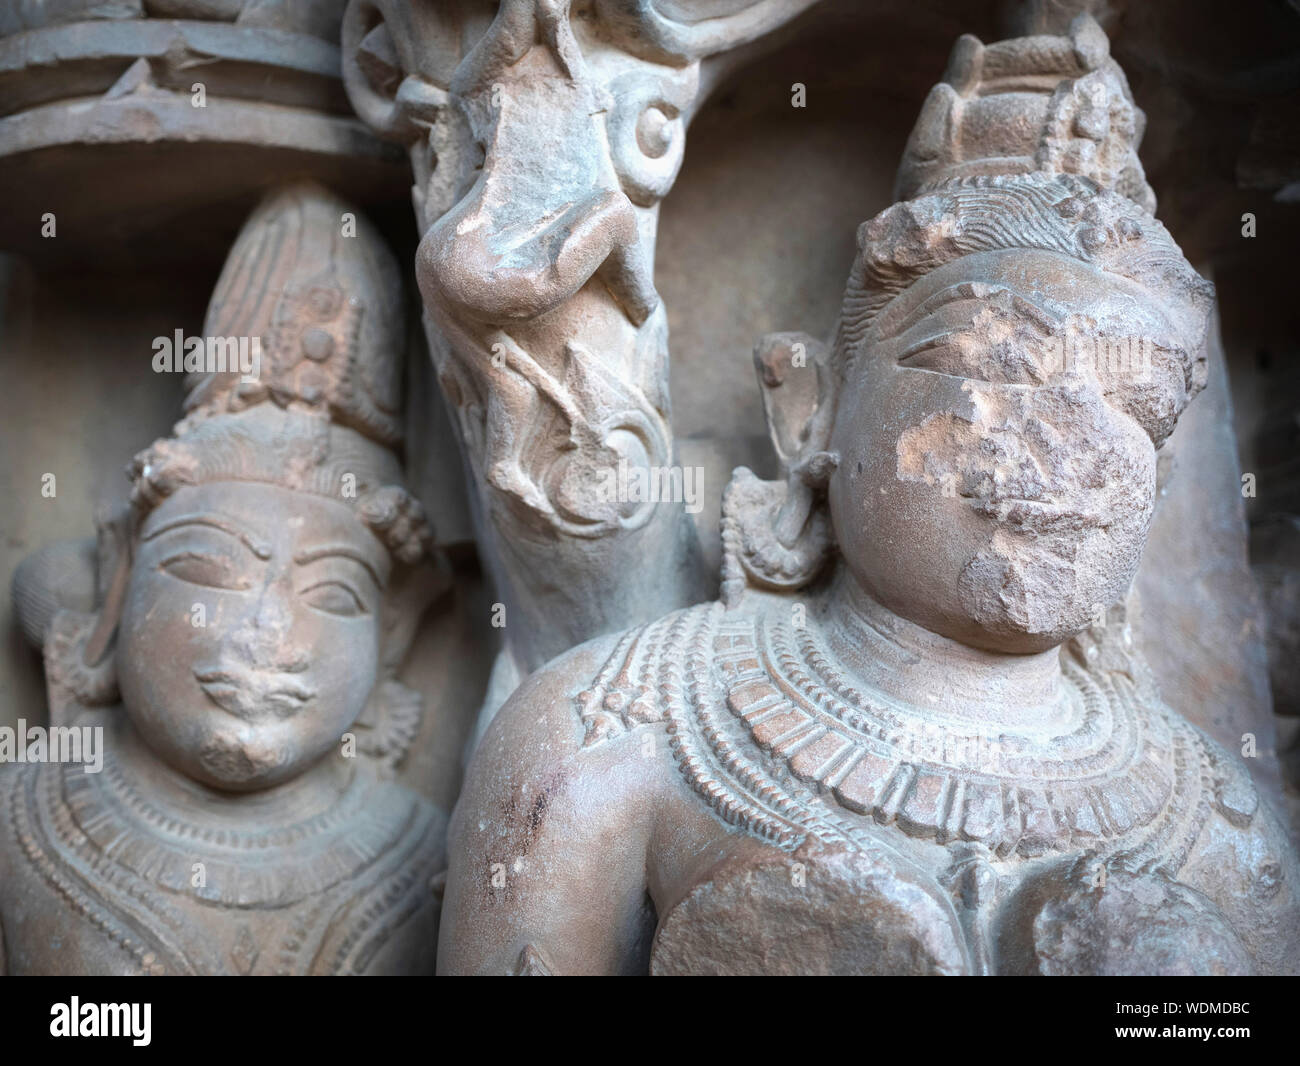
1048	587
237	761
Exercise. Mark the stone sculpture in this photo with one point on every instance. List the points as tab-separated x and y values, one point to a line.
260	593
547	332
938	720
906	740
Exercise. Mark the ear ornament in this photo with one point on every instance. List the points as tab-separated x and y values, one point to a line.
756	547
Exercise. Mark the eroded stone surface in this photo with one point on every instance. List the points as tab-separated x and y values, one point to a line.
1014	821
934	737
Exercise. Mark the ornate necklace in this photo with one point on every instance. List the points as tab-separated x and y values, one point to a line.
127	865
774	737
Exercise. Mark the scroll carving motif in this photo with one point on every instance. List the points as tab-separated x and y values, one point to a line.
542	144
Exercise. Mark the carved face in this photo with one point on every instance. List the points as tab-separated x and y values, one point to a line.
996	434
249	639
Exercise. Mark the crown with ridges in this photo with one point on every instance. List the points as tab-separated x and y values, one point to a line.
316	285
1053	104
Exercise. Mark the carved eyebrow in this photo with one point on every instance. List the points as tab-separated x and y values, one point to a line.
310	555
257	547
896	320
932	341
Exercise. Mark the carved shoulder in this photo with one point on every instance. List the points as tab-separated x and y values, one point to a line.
547	864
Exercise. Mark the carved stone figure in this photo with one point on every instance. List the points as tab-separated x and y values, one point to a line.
261	591
984	689
547	329
914	736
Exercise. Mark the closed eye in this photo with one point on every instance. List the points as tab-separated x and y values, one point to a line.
337	552
899	318
965	356
334	597
208	550
999	338
896	321
923	354
211	570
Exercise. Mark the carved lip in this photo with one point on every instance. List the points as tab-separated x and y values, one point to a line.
251	697
1040	516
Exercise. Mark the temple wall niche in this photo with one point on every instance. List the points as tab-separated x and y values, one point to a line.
570	299
67	412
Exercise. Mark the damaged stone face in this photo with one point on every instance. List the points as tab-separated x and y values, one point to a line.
1037	480
1067	515
264	582
886	727
1023	450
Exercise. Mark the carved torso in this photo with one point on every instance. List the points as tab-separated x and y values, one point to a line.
104	876
865	835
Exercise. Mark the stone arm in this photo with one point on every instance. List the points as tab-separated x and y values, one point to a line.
548	844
